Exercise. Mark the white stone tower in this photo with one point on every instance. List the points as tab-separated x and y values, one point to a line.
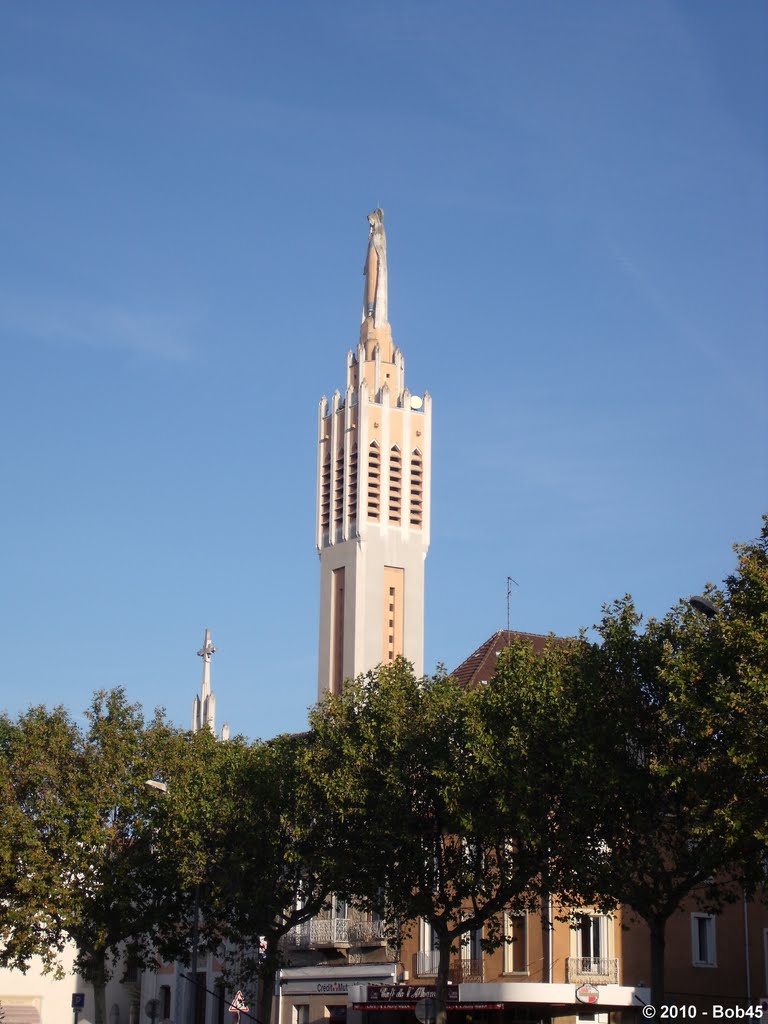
373	479
204	706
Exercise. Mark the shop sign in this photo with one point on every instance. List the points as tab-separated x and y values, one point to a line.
405	996
587	993
311	987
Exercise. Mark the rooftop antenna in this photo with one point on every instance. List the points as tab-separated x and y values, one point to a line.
510	581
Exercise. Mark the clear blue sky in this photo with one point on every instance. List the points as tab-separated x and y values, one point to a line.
576	201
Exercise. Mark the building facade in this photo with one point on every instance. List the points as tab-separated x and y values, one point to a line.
37	997
595	967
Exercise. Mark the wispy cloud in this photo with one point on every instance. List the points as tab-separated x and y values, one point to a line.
98	326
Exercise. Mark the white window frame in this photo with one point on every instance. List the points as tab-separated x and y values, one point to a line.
429	942
471	944
602	924
296	1015
509	947
696	957
428	948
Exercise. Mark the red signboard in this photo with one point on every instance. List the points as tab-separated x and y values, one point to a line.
587	993
405	997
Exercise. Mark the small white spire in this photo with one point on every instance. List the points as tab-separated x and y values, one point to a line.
204	707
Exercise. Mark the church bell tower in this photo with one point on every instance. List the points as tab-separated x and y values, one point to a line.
373	478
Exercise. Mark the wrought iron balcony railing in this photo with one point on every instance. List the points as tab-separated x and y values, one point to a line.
336	932
601	969
426	962
461	969
466	969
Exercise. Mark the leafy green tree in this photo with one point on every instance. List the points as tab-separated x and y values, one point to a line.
731	664
89	836
439	826
676	710
285	866
36	759
192	821
247	827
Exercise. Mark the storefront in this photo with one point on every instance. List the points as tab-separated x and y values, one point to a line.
398	1004
312	995
489	1003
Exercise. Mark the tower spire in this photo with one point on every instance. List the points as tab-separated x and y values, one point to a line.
204	706
373	475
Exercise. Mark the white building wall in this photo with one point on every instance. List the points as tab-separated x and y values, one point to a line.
52	997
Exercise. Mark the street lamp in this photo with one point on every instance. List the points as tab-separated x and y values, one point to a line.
162	787
704	605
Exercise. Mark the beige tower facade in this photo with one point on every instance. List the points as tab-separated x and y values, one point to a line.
373	485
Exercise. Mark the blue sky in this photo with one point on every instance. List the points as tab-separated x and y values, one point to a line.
576	202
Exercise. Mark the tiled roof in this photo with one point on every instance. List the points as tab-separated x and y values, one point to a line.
481	666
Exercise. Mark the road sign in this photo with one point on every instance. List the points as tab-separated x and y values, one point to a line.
238	1003
78	1000
426	1010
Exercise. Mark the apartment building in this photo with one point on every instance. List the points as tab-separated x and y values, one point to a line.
595	967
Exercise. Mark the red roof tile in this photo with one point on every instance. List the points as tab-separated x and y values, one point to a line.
481	666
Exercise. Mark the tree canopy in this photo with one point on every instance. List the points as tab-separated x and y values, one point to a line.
677	711
629	769
252	834
80	863
437	789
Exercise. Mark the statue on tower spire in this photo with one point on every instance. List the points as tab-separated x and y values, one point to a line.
375	270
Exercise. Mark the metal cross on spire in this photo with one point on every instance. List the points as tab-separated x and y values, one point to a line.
207	649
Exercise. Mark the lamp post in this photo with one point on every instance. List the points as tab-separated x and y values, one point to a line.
162	787
704	605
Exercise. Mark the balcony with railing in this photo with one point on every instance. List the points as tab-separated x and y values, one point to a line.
598	970
425	963
461	969
335	932
465	969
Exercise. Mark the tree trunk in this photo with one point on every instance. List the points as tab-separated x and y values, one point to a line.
98	973
441	982
267	991
658	928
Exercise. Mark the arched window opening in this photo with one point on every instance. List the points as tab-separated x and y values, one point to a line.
352	487
374	482
338	491
325	498
395	484
417	489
